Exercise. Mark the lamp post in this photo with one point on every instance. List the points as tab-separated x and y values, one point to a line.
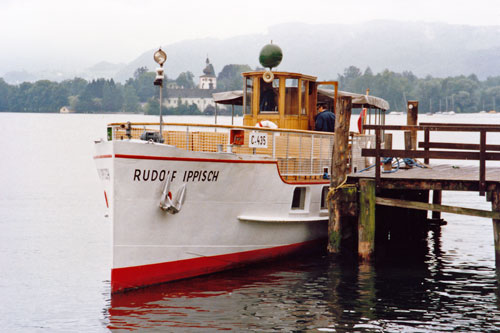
160	57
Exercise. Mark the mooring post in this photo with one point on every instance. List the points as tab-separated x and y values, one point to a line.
366	219
339	171
388	145
436	199
412	119
495	206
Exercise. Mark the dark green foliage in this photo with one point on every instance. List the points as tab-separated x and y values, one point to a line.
100	96
460	93
76	86
185	80
143	84
230	77
4	95
130	100
41	96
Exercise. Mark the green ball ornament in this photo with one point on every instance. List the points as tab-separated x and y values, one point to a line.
270	56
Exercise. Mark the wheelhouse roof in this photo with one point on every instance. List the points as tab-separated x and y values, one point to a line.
290	75
358	100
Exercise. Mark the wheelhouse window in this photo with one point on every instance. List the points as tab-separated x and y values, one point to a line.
299	198
292	97
304	97
269	96
248	95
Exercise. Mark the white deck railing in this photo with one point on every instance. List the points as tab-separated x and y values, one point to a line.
300	154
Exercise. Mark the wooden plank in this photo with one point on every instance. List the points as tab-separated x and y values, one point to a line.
457	128
463	146
436	207
462	125
435	154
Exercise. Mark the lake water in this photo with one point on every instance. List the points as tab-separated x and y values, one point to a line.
55	257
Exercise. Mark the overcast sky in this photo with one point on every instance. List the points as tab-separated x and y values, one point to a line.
84	32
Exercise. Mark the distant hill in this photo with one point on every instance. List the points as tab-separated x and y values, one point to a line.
323	50
104	69
436	49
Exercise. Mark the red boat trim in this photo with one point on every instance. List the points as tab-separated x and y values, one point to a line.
102	156
140	276
188	159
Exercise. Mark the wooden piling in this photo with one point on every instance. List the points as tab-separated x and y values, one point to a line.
436	200
339	171
412	119
388	145
366	219
495	206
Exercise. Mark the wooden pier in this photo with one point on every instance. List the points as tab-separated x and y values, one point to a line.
378	211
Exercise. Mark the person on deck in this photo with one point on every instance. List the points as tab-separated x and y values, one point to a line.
325	119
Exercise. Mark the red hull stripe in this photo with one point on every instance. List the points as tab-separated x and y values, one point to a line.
168	158
102	156
140	276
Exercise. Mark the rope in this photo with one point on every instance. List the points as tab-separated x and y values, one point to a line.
408	161
333	190
411	162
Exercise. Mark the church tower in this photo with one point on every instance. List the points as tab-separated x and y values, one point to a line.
208	80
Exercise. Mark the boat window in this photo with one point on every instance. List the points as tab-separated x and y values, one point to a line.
291	97
324	194
248	95
330	86
269	96
304	97
299	198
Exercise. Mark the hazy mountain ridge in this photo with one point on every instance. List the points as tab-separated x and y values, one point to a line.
435	49
325	50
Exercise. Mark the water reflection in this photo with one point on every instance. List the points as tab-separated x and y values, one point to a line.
443	293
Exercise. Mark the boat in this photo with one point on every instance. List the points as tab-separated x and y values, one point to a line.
191	199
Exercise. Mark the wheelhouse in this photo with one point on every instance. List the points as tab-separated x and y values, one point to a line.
287	99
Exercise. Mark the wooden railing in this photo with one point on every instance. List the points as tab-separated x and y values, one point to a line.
466	151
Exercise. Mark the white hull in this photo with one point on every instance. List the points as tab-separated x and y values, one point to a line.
237	209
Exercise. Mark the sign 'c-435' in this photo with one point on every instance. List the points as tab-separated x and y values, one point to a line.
257	140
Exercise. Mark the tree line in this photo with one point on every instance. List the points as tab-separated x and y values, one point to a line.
460	93
138	94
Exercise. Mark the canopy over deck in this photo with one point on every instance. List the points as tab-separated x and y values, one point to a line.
358	100
235	97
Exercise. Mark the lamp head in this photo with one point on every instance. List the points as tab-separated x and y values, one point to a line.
160	57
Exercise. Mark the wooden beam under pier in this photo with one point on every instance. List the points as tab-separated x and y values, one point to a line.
437	208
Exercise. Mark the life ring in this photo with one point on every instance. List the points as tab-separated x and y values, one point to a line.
268	76
362	121
266	124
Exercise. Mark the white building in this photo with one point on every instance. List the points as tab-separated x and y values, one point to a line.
208	80
201	96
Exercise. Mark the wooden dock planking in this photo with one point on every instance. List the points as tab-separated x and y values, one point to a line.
438	176
396	203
